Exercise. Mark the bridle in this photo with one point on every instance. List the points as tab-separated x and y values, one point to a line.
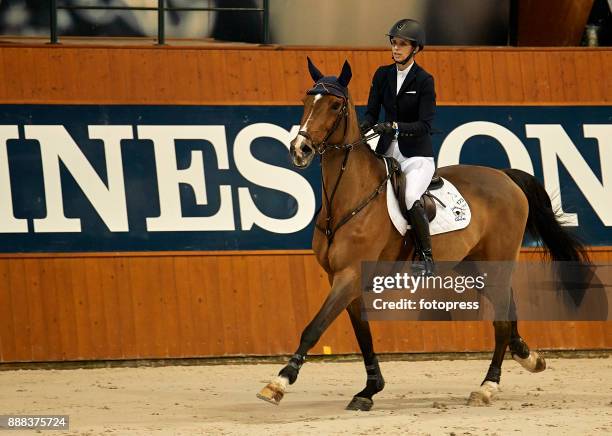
322	146
329	230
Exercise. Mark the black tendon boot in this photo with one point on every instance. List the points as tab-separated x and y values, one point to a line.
420	229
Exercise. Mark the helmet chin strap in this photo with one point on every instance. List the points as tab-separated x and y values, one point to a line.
410	56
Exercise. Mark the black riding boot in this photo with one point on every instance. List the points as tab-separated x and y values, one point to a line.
420	229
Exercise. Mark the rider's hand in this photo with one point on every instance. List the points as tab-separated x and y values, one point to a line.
385	127
365	126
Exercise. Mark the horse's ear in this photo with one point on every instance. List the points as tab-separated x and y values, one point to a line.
345	75
314	71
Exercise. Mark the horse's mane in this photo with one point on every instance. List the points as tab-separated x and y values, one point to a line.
353	118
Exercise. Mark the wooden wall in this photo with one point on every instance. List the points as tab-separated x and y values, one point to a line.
186	305
260	76
154	305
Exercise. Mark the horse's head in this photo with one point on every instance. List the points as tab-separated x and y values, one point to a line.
326	107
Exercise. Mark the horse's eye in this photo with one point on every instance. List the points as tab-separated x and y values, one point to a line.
336	106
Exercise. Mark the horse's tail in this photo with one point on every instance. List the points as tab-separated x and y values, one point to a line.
544	224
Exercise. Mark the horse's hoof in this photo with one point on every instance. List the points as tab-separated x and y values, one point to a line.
273	392
360	403
534	363
540	363
478	398
483	396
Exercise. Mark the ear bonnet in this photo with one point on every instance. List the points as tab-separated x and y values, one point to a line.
330	85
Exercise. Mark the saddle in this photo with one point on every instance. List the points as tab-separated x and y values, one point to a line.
398	181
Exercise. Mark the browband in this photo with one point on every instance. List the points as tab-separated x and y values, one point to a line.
327	87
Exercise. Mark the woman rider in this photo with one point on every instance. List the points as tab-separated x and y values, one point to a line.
406	91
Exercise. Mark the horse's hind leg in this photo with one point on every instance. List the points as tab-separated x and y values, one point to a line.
532	361
375	381
506	335
490	386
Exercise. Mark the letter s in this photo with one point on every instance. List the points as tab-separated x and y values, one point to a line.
270	176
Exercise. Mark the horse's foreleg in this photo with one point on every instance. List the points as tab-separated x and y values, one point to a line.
344	290
375	381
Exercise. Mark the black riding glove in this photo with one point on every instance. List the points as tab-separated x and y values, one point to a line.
385	127
365	126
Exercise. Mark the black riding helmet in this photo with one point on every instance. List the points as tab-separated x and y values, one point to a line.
410	30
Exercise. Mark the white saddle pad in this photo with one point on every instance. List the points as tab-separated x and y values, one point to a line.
455	216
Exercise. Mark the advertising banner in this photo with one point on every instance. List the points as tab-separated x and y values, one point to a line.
77	178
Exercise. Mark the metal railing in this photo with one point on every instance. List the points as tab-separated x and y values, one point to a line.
161	16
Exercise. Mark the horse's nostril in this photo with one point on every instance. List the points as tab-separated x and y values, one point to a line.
306	148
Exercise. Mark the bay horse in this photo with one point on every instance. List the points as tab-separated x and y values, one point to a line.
354	226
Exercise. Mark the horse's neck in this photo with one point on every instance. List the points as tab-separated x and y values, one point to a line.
361	174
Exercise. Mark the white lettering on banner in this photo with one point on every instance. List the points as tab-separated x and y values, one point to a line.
168	178
556	145
518	156
108	198
8	222
273	177
450	151
109	202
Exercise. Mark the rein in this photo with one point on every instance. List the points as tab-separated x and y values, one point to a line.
329	230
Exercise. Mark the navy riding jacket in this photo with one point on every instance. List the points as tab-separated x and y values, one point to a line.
413	108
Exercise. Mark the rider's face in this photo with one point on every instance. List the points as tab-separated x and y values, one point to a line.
400	48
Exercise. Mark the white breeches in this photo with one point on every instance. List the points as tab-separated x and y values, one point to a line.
418	170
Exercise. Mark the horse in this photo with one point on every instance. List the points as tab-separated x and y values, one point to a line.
353	225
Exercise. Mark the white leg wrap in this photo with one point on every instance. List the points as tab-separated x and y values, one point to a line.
281	382
484	394
491	388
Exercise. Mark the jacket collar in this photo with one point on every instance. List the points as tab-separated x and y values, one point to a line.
393	76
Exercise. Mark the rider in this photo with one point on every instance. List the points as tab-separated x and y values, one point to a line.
406	91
